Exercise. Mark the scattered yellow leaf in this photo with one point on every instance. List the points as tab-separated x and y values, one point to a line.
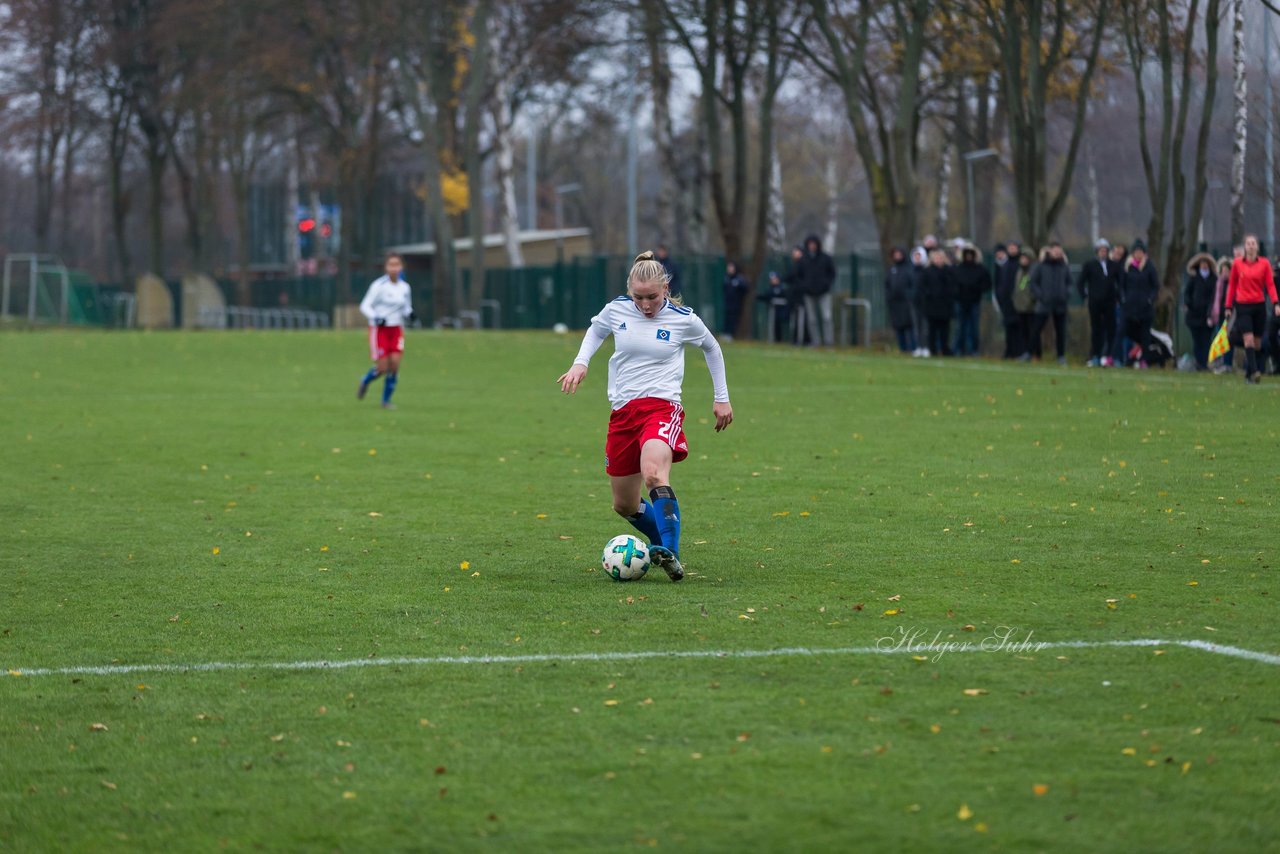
935	728
373	452
324	548
1186	766
1040	789
892	612
1129	751
611	702
348	796
98	728
806	513
964	813
1015	560
374	515
1193	583
981	827
974	692
466	564
216	550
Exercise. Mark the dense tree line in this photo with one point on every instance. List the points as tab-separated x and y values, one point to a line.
138	130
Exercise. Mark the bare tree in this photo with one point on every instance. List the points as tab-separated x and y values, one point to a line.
1043	57
1240	138
1176	209
874	53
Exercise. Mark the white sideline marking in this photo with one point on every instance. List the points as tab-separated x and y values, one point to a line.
784	652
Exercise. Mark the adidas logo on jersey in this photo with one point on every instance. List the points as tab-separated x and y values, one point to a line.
623	327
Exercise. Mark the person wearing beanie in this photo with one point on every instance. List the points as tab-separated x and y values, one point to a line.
1252	281
1141	286
1005	283
899	287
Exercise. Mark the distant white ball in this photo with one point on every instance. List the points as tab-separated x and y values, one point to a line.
625	558
560	328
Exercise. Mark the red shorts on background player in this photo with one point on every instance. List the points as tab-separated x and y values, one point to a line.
646	375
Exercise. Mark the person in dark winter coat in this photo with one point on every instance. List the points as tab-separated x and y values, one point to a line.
791	278
919	261
1139	291
937	298
1006	281
899	288
817	276
1051	286
735	291
673	271
1197	300
776	297
1097	288
1119	255
973	280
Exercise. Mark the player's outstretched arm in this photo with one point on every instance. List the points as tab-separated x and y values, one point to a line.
572	378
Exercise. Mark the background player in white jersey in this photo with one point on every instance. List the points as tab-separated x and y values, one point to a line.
646	372
389	306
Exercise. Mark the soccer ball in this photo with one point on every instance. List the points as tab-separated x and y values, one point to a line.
625	558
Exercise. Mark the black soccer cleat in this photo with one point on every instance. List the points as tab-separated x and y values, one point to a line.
361	389
665	558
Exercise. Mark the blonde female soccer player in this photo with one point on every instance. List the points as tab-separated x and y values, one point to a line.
388	307
646	428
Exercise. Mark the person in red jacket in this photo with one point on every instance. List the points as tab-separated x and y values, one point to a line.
1251	282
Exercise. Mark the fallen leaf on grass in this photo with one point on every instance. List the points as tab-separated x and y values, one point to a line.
1040	789
98	728
108	785
348	796
964	813
611	702
466	564
974	692
1129	751
894	598
892	612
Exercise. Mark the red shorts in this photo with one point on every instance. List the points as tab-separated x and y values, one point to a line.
636	423
385	340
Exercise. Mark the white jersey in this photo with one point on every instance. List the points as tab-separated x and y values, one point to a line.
388	300
648	357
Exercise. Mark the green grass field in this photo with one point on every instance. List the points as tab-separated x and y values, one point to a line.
222	499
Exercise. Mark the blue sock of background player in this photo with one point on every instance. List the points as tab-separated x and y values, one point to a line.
668	512
389	387
645	520
368	378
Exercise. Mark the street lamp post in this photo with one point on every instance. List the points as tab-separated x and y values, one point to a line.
561	190
969	158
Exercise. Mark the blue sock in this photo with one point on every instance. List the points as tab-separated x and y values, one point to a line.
668	513
388	387
369	377
645	520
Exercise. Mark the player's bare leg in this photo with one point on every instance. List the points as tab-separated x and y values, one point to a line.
655	468
629	503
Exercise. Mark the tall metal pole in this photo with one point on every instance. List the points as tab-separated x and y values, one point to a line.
968	168
1269	139
531	179
632	131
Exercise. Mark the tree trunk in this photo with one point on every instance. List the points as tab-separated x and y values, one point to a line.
1240	136
118	148
505	162
474	164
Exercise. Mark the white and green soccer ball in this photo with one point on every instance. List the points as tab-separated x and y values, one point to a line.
625	558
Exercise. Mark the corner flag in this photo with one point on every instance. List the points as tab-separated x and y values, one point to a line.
1220	345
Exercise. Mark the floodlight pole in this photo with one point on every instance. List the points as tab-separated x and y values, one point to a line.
969	158
561	189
